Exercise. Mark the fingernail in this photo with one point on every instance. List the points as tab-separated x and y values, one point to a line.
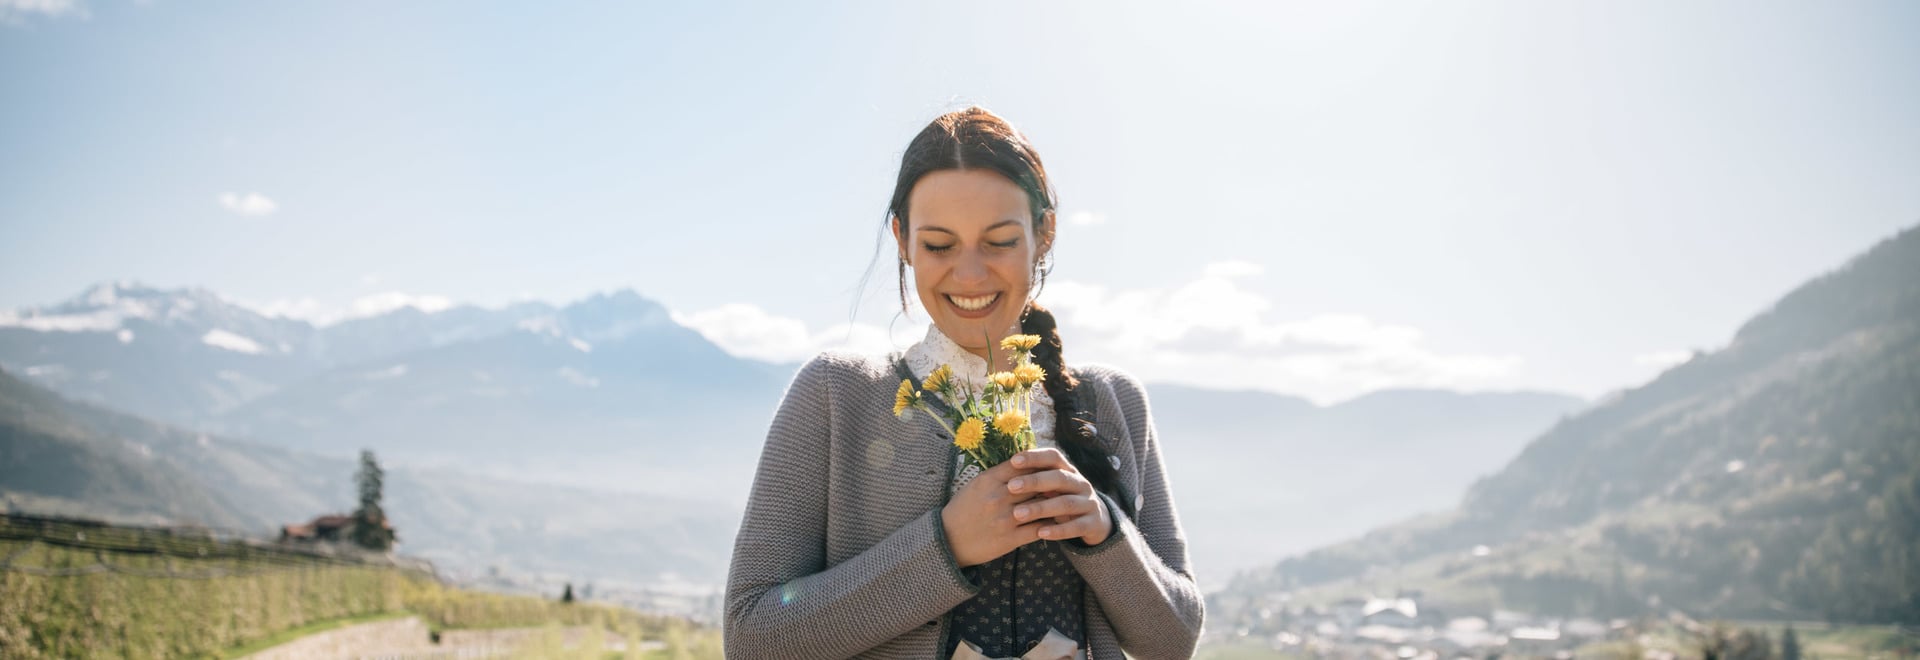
1020	512
1019	459
1014	485
1046	531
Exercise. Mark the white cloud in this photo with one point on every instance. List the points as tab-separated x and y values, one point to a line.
1662	359
1086	218
304	309
1210	332
578	379
322	314
218	338
381	303
100	320
109	313
1213	332
747	331
17	11
250	204
394	371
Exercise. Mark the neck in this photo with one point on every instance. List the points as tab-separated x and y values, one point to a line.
1006	359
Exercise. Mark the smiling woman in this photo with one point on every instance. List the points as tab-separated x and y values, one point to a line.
865	537
966	264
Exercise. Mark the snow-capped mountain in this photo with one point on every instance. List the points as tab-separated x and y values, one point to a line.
464	384
608	390
181	355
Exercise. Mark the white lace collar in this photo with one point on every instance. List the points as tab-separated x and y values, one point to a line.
936	349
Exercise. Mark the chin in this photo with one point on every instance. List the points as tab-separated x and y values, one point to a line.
978	333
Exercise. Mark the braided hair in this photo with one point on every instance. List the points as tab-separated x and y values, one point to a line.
1072	423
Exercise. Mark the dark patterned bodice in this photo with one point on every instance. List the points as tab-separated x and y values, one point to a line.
1022	594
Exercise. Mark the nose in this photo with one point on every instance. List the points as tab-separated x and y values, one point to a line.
972	269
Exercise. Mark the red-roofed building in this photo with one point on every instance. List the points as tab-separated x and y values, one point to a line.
324	528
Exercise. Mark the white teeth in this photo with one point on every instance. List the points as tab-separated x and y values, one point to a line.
974	304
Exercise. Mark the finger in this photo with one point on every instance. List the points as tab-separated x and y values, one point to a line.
1050	481
1063	508
999	474
1047	458
1071	529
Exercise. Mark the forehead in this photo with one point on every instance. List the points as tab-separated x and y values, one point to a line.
964	201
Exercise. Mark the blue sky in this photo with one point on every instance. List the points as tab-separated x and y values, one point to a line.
1314	198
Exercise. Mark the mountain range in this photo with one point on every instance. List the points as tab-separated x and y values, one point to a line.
607	398
1777	478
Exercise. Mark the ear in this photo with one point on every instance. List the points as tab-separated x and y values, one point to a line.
1043	239
900	237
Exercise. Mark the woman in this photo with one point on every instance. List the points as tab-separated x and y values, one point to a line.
861	539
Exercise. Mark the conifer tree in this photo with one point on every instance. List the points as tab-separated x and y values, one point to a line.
370	527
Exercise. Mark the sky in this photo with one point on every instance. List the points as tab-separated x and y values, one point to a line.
1317	199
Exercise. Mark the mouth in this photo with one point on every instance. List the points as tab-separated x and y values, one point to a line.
972	306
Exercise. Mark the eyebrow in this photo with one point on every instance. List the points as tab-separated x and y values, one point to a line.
997	225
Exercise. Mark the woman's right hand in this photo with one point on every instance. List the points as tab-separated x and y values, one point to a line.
979	519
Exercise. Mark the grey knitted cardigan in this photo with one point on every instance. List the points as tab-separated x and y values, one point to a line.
841	552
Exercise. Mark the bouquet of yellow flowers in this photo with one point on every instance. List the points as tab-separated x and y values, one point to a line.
989	425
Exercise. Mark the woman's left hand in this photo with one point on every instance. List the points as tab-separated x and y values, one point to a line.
1060	493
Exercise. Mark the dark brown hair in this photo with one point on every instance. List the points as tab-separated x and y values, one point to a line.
976	138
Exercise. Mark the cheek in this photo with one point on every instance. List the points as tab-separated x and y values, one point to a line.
1014	267
925	272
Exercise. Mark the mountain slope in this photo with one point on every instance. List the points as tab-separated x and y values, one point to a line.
54	464
1261	475
135	470
1779	477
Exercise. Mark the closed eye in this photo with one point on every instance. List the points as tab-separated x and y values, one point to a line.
943	248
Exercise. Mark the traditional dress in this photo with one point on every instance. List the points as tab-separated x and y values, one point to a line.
1029	596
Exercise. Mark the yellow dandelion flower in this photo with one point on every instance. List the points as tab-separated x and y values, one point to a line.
1005	379
1010	422
937	380
970	434
905	397
1029	373
1020	342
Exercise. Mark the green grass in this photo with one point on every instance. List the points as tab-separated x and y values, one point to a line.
1245	649
447	608
240	600
138	612
1841	642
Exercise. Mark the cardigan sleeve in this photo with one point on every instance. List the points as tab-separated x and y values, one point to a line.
1140	573
782	600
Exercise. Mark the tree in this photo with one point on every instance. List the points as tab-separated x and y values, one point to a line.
1789	645
371	530
566	596
1723	642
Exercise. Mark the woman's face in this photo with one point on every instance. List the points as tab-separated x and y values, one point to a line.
972	248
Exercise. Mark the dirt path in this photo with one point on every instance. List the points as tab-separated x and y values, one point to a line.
409	638
392	637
